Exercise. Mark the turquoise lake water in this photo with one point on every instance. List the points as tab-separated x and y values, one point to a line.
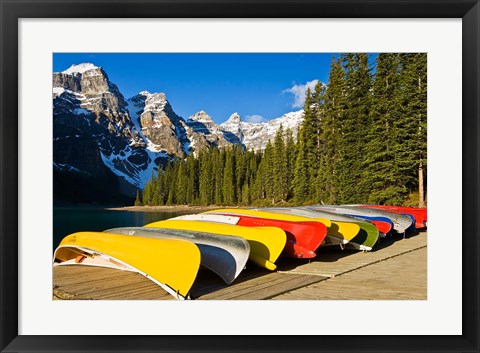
67	220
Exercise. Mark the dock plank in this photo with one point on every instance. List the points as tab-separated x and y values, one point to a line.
82	274
331	262
105	283
264	287
398	278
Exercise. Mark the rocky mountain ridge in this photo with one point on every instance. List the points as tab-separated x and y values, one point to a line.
102	138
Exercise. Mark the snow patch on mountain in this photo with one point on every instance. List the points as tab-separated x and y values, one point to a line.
80	68
135	110
121	165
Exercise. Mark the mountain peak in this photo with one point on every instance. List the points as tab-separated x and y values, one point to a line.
201	116
80	68
150	98
234	119
156	98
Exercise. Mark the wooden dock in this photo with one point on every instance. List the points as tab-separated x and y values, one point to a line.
395	269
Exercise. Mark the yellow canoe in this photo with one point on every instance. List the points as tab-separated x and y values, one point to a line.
173	264
343	230
266	243
340	230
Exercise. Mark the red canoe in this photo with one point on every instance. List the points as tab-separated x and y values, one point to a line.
303	238
420	214
383	227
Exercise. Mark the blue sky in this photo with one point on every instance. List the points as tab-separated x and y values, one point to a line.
258	86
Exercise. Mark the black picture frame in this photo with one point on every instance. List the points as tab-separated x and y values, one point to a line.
12	11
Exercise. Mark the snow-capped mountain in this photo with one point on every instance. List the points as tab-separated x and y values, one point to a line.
255	136
108	146
202	132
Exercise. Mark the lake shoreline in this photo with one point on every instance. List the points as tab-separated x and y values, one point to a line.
177	208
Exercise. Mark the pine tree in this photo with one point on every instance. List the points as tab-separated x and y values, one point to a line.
192	179
172	188
318	170
300	177
245	195
331	131
160	187
137	200
146	194
381	170
259	189
412	127
149	192
229	177
280	191
269	179
206	182
309	132
168	183
181	184
290	152
250	176
240	172
218	162
354	124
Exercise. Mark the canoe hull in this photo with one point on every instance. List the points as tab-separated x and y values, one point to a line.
266	243
224	255
420	215
360	235
294	247
401	222
303	238
171	263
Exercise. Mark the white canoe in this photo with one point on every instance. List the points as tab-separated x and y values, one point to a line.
400	222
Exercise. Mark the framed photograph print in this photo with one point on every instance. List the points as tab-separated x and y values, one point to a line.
239	176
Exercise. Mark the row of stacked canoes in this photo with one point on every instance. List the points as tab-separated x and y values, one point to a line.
170	252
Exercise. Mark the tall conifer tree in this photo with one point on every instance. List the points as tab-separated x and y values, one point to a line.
229	177
412	150
381	170
290	152
280	191
218	161
300	177
331	131
354	124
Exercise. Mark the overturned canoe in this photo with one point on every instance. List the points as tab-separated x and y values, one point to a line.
171	263
302	249
384	224
364	236
266	243
303	238
224	255
419	214
267	215
339	232
421	211
400	222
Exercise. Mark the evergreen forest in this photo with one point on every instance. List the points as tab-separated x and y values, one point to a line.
363	140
